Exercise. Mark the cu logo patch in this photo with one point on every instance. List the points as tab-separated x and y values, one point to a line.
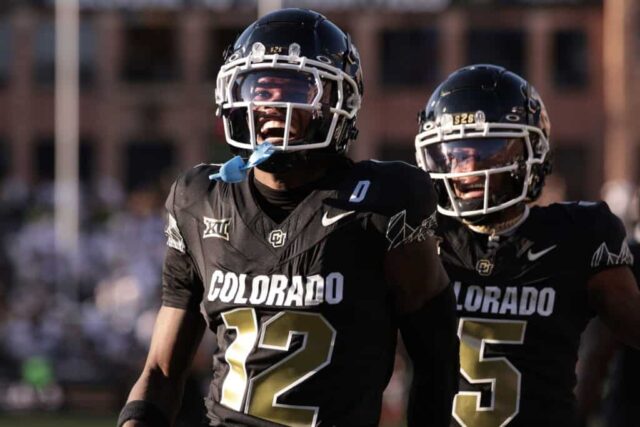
484	267
277	238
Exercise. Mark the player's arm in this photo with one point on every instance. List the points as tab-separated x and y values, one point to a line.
611	286
425	304
614	294
155	398
416	273
597	349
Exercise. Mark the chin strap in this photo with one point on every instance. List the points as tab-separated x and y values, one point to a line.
236	170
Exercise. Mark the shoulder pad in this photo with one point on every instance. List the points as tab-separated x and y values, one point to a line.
602	234
398	186
582	210
402	199
191	186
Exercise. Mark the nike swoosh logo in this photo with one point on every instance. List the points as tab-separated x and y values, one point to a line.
327	221
532	256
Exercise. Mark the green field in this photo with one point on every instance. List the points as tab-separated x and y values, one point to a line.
56	420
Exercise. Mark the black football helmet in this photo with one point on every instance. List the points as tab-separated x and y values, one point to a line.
484	139
292	78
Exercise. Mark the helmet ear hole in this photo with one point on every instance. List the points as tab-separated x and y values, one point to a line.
353	132
537	180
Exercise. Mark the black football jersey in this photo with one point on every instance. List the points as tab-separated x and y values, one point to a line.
522	306
620	408
302	313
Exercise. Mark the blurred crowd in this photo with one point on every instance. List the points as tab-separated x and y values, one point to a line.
82	318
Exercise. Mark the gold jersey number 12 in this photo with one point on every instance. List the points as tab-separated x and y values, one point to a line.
499	371
258	396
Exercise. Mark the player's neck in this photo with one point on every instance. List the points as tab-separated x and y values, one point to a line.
502	221
290	179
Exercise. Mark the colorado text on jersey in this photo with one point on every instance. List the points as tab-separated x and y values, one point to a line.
277	290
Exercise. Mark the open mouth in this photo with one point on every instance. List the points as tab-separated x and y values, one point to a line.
274	129
469	190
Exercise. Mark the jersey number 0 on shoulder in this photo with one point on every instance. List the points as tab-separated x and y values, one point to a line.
476	367
262	391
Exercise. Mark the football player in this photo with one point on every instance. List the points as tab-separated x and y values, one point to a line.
306	265
526	279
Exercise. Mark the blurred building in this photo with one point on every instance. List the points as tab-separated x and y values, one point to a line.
148	71
622	86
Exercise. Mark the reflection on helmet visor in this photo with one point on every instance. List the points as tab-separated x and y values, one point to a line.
475	154
275	86
281	96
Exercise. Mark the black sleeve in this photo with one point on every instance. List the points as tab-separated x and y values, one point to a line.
604	237
409	201
430	338
181	283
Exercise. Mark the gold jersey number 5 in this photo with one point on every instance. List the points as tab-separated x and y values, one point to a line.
476	368
258	396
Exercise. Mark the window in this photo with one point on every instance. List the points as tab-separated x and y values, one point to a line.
570	62
220	39
87	53
146	161
5	50
150	54
499	47
45	54
44	62
45	159
409	57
